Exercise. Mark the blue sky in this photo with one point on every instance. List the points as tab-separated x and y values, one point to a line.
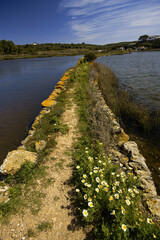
76	21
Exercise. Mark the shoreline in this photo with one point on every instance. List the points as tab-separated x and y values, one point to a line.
122	152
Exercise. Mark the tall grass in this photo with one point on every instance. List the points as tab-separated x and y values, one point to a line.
124	105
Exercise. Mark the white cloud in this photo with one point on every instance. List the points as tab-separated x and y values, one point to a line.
100	21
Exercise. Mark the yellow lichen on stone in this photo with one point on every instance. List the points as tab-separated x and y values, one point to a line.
47	103
123	137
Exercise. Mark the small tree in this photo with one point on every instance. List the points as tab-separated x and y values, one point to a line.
89	57
143	38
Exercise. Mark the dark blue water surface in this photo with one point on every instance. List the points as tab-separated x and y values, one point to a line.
24	84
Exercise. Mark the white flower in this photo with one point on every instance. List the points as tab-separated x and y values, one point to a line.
84	175
91	173
113	212
123	211
130	190
78	167
97	190
97	179
116	196
90	204
103	183
95	171
89	185
89	199
113	173
127	202
117	183
77	190
85	213
100	161
85	196
124	227
149	220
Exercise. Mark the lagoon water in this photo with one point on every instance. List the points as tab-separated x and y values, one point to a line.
139	73
24	84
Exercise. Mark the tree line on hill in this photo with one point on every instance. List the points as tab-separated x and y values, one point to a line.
9	47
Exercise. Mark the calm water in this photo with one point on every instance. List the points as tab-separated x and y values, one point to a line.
24	84
139	73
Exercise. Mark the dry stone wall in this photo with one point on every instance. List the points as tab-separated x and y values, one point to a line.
126	153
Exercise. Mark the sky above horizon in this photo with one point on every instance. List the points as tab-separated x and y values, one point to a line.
77	21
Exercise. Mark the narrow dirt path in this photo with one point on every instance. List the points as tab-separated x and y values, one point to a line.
56	209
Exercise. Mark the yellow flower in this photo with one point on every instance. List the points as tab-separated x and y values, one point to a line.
78	167
124	227
85	213
83	181
100	186
77	190
95	171
154	236
120	191
106	189
91	173
110	198
84	175
89	199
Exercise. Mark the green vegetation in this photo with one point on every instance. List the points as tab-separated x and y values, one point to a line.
44	226
106	195
8	50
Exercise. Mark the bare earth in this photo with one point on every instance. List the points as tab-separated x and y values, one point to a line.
56	208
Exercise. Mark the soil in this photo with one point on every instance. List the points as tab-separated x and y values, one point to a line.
56	209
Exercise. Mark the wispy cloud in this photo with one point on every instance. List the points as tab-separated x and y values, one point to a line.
104	21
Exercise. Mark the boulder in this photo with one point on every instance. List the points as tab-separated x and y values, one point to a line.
15	159
47	103
154	206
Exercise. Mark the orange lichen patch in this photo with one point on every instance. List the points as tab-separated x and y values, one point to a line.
53	95
64	78
47	103
56	92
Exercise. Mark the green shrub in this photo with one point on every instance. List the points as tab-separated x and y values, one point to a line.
89	57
